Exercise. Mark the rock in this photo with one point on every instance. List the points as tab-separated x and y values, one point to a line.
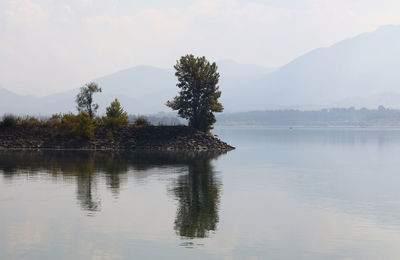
170	138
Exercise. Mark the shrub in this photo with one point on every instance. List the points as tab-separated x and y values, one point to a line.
142	121
30	121
112	123
81	125
85	126
9	121
54	121
110	136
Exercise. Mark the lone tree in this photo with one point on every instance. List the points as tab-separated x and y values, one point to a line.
116	112
84	99
199	92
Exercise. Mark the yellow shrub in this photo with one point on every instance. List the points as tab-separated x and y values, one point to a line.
30	121
114	123
81	125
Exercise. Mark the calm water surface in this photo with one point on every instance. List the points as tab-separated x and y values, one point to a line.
282	194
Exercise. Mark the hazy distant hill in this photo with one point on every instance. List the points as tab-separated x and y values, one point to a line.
141	90
361	72
11	102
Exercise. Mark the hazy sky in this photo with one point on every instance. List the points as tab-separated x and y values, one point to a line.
52	45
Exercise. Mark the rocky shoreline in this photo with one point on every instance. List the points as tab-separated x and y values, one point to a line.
163	138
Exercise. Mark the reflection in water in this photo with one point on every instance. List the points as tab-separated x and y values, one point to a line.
197	189
287	194
84	169
114	167
198	196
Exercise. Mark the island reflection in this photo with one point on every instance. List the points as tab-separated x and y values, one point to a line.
196	188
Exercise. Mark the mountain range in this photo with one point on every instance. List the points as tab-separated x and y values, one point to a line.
359	72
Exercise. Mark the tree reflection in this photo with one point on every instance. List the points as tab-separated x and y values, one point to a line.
84	168
198	195
115	166
196	187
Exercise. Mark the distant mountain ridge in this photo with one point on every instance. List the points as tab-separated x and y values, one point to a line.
355	70
360	71
140	89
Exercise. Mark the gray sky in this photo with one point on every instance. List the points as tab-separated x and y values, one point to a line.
51	45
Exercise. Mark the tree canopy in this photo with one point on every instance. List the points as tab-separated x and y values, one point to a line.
84	99
115	111
199	91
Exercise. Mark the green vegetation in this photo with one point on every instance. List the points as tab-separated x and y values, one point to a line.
9	120
115	115
197	101
199	92
84	99
30	121
85	123
115	111
81	125
142	121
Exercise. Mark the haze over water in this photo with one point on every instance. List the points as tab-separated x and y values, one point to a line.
302	193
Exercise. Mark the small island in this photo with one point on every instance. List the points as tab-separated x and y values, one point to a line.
131	137
196	102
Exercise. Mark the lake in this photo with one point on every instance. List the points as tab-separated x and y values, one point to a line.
301	193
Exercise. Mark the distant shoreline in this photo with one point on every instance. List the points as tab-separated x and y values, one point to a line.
238	125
